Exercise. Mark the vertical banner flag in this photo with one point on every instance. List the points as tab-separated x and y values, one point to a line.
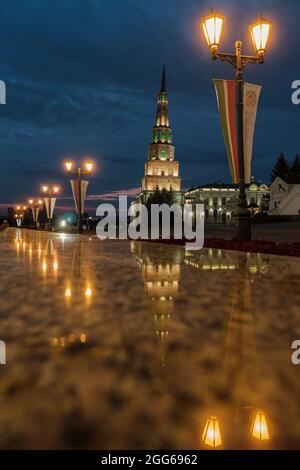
79	189
35	213
49	205
75	191
251	97
225	91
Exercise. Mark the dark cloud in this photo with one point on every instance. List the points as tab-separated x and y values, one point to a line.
82	78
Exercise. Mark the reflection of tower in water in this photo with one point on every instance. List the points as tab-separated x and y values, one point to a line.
161	274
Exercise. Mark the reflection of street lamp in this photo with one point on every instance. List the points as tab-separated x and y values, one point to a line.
212	27
19	216
79	187
211	436
259	428
50	193
35	206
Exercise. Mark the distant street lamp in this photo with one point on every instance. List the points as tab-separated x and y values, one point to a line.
35	206
50	193
19	216
212	27
79	187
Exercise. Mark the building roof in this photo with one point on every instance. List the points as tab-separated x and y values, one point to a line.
221	185
217	184
283	180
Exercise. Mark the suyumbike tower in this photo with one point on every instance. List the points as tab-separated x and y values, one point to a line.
161	170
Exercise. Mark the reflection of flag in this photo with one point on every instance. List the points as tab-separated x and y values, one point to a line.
79	188
49	205
49	250
251	97
225	90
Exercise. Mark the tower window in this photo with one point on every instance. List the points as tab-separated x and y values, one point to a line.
155	136
163	154
163	138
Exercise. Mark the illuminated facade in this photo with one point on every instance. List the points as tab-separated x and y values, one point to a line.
220	200
161	170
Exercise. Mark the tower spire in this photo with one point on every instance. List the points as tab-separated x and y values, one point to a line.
162	118
163	80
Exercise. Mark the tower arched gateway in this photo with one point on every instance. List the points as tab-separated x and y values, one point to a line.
161	170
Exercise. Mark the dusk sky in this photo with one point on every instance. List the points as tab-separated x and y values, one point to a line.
82	78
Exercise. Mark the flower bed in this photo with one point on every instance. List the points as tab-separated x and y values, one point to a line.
255	246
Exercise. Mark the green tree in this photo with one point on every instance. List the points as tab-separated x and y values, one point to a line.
281	168
294	172
161	197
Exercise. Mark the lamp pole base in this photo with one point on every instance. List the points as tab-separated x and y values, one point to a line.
79	225
243	216
243	225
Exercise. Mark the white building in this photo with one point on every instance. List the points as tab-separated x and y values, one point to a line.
284	198
220	200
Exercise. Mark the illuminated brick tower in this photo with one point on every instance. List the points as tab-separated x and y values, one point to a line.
161	170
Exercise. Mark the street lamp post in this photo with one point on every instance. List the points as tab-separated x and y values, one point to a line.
19	216
35	206
50	193
212	27
79	187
